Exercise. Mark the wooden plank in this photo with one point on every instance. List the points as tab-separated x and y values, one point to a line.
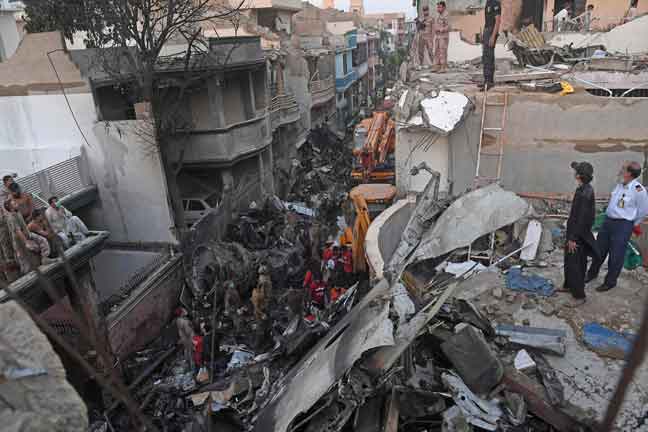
537	402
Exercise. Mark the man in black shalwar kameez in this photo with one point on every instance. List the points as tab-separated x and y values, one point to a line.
580	240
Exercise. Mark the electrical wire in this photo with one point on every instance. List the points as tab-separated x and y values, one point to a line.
67	100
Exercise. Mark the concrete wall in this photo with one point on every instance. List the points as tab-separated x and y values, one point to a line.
297	81
416	145
233	99
9	36
200	110
127	170
148	309
38	131
113	268
544	133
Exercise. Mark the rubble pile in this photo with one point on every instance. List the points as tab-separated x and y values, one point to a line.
413	354
408	357
321	177
219	356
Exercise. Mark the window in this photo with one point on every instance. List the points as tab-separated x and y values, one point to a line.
184	204
196	206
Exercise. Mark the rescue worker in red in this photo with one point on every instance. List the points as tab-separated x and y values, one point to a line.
315	288
347	265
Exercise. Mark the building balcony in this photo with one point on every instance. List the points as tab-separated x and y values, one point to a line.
346	42
225	146
322	91
343	83
283	110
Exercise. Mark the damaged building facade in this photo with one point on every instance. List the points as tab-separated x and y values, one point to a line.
540	129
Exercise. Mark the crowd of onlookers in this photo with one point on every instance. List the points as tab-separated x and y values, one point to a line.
30	235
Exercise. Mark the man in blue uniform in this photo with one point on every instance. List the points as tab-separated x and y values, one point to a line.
628	207
492	21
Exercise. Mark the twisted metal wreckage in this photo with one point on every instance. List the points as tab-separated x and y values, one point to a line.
356	365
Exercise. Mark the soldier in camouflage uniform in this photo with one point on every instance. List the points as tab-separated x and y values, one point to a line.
8	264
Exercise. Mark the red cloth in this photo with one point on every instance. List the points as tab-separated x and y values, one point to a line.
316	288
637	230
317	291
327	254
198	349
308	278
347	260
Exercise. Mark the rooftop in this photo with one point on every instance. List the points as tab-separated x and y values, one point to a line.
29	70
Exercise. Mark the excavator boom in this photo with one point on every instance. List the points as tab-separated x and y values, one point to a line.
372	162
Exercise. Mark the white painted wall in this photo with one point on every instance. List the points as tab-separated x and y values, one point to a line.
9	36
416	145
38	131
133	203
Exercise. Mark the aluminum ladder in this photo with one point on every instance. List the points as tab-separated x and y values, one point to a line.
487	174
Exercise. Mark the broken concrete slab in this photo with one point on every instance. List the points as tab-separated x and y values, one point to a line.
445	111
37	402
470	217
473	359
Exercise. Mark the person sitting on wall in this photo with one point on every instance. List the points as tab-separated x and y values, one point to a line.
28	246
68	227
5	193
40	226
23	201
9	270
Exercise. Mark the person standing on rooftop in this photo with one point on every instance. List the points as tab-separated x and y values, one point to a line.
492	22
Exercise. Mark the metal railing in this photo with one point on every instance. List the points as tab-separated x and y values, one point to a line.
60	180
283	101
322	85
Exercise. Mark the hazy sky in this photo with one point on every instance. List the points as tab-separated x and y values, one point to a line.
375	6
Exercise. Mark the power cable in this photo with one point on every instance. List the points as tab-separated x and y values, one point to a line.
67	100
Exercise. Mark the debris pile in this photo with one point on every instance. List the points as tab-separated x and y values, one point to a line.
409	357
414	354
320	177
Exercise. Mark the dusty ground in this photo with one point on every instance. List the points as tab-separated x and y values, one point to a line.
588	377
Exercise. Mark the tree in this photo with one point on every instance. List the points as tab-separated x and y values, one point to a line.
129	37
52	15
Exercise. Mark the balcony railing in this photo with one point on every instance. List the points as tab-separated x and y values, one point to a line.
226	145
343	83
322	90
